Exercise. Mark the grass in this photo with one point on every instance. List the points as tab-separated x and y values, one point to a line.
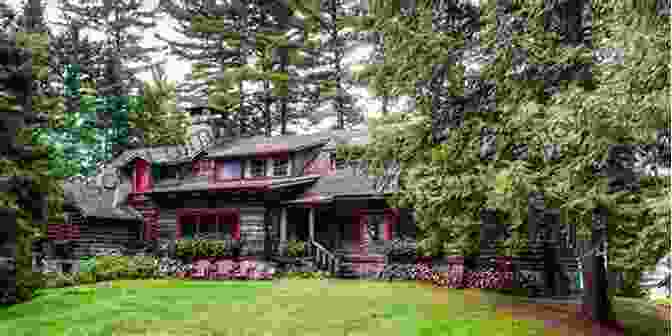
663	301
278	308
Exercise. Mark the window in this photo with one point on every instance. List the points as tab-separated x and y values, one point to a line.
188	224
257	168
209	225
373	225
337	163
228	170
280	167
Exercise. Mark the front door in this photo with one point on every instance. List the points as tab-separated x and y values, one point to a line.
372	228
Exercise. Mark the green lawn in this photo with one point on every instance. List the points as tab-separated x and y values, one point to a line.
278	308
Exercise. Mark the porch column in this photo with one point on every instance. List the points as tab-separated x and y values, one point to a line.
311	223
283	225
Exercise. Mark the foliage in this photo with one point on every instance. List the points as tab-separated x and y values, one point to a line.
119	267
155	112
305	275
401	247
171	267
488	280
296	248
59	280
87	265
192	248
448	184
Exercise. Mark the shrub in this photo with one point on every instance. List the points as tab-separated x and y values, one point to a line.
305	275
27	283
488	280
142	267
111	267
296	248
87	264
168	267
84	278
423	272
59	280
186	249
401	247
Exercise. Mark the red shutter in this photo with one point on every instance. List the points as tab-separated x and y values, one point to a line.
178	226
141	176
391	219
236	225
55	231
360	225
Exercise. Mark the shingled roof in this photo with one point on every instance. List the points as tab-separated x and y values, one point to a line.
95	201
203	183
351	181
262	144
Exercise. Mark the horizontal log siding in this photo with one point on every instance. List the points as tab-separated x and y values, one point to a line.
95	234
167	223
251	222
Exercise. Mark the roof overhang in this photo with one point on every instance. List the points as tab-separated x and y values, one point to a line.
361	196
262	185
311	200
267	152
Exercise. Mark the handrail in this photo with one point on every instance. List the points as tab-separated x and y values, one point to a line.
323	257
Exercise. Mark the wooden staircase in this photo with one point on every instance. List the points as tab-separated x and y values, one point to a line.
324	259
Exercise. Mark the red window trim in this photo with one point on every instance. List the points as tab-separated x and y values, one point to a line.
390	215
235	213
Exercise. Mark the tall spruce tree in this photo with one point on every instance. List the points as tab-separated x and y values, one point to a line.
117	20
448	183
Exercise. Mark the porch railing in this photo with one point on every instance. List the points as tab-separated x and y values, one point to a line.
324	259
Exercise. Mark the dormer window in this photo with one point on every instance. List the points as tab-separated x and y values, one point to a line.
336	163
281	167
258	168
228	170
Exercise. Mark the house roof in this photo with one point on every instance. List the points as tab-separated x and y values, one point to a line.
95	201
158	154
261	144
203	183
169	153
241	147
348	182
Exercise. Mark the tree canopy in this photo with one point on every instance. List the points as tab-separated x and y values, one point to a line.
448	184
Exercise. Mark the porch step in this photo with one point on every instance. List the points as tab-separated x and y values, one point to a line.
347	270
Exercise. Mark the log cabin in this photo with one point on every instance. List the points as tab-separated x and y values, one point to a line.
265	190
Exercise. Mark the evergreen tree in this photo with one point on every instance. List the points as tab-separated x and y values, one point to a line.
153	112
448	183
117	19
322	64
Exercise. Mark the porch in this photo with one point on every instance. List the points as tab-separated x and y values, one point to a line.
340	229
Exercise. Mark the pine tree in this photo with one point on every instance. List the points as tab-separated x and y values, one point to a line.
448	183
330	85
154	112
116	19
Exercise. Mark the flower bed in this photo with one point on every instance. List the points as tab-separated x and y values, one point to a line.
456	277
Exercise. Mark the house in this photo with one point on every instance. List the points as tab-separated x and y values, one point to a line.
264	190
